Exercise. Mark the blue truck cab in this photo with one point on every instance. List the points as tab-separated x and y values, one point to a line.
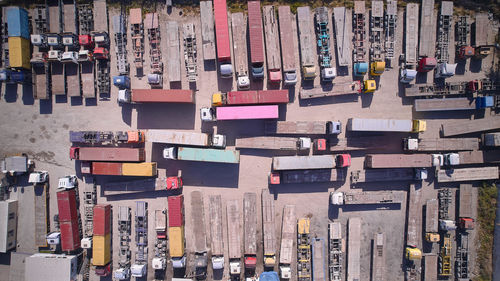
360	68
269	276
122	82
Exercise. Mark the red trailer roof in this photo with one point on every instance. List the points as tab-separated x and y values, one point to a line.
107	168
102	219
221	30
70	236
159	95
273	96
66	205
242	97
175	211
255	32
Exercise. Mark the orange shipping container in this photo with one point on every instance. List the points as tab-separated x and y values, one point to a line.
19	52
101	250
147	169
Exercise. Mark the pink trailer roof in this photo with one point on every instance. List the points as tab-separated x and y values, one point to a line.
247	112
136	16
221	30
255	31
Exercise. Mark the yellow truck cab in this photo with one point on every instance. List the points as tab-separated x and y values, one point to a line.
432	237
309	72
377	68
413	253
369	86
419	126
217	99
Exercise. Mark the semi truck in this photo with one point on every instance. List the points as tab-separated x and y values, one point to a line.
250	232
186	138
146	169
239	30
467	174
304	127
255	37
367	197
155	96
239	113
470	126
306	43
272	44
119	154
432	221
381	175
287	50
386	125
427	42
222	38
176	238
306	176
328	72
234	237
250	97
408	72
269	229
439	144
202	154
399	161
465	207
319	259
304	162
200	236
217	245
287	239
67	204
274	143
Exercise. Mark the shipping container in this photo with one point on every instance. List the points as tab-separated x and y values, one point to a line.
70	235
385	125
181	137
66	205
251	97
159	95
102	219
147	169
222	38
19	52
398	160
106	168
255	37
176	211
248	112
176	241
304	162
208	155
101	249
18	23
119	154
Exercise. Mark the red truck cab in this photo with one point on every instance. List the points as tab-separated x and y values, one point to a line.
466	223
74	153
465	52
103	270
426	64
320	144
135	137
274	178
101	53
175	183
343	160
86	41
250	262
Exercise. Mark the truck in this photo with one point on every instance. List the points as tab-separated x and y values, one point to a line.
101	239
250	97
304	162
446	104
432	221
303	127
250	232
174	52
399	161
274	143
146	169
440	144
202	154
470	126
467	174
255	37
69	224
328	72
137	36
306	43
151	24
268	229
186	138
386	125
124	229
336	248
139	267
120	36
222	36
287	50
239	30
200	236
367	197
427	43
103	137
377	51
239	113
339	89
319	259
272	44
159	262
408	72
207	30
465	207
107	154
394	174
304	250
481	37
234	237
360	66
155	96
490	140
444	258
306	176
354	249
287	239
176	237
217	245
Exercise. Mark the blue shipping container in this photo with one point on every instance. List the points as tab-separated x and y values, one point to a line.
17	22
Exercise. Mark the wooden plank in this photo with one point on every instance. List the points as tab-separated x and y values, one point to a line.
198	217
234	229
250	223
216	225
207	30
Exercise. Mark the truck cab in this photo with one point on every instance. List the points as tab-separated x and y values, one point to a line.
437	160
466	223
38	177
421	174
226	70
447	225
269	276
122	273
55	55
410	144
138	270
86	41
304	143
258	70
482	52
179	262
101	38
103	270
333	127
70	40
170	153
54	40
274	76
432	237
74	153
124	96
70	57
419	126
343	160
234	267
175	183
290	78
360	68
200	262
122	81
446	70
207	114
451	159
39	40
217	262
328	73
377	68
68	182
86	243
155	80
308	72
218	141
84	55
20	76
5	75
426	64
243	82
54	238
159	263
407	75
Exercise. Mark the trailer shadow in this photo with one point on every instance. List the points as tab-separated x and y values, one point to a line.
127	113
165	116
61	98
28	98
75	101
475	65
10	94
46	106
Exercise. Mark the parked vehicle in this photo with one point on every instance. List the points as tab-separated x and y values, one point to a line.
386	125
239	113
155	96
222	37
304	127
440	144
68	182
38	177
255	38
202	154
146	169
287	50
399	161
251	97
118	154
186	138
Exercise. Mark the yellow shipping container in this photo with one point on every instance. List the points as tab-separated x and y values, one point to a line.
176	241
101	249
19	52
147	169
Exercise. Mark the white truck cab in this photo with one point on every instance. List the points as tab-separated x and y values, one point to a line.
305	143
38	177
219	141
54	238
437	160
122	273
328	74
446	70
68	182
207	114
234	267
170	152
124	96
407	75
243	82
410	144
70	57
421	174
217	263
138	270
333	127
179	262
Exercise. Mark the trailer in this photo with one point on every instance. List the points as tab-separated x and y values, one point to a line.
137	36
272	44
470	126
306	43
39	65
239	30
174	67
274	143
440	144
69	220
250	231
359	33
447	104
70	23
437	90
490	140
444	32
319	259
382	175
176	236
287	50
427	47
186	138
303	127
222	36
139	268
462	256
481	38
465	202
354	249
413	254
152	25
100	15
409	72
268	229
367	197
202	154
341	38
255	39
251	97
385	125
328	72
156	96
234	237
287	239
304	272
145	169
398	161
432	221
377	52
101	50
124	255
303	162
159	262
240	113
335	251
41	213
467	174
374	143
390	26
378	257
207	30
339	89
430	266
119	154
217	244
103	138
200	236
120	35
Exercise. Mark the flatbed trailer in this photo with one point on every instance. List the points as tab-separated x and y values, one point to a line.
239	31
444	268
441	144
414	232
465	201
287	239
190	57
250	230
152	26
467	174
342	40
377	161
72	71
354	249
268	229
271	143
367	197
200	236
87	76
207	30
120	36
411	34
319	259
217	242
174	60
359	32
481	30
335	251
470	126
462	257
297	127
234	236
436	90
272	44
431	216
375	143
41	214
390	25
306	43
430	266
350	88
383	175
306	176
447	104
41	78
379	259
137	36
444	31
303	162
56	67
69	19
100	15
427	47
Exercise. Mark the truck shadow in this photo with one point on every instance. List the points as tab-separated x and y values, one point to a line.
10	94
475	65
28	98
46	106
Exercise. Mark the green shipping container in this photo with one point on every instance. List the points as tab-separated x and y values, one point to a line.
19	52
208	155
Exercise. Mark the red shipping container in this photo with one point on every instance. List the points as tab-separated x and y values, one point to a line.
159	95
273	96
66	205
106	168
222	31
255	32
102	219
118	154
242	97
175	211
70	235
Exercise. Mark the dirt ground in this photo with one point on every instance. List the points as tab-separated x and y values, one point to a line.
40	129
